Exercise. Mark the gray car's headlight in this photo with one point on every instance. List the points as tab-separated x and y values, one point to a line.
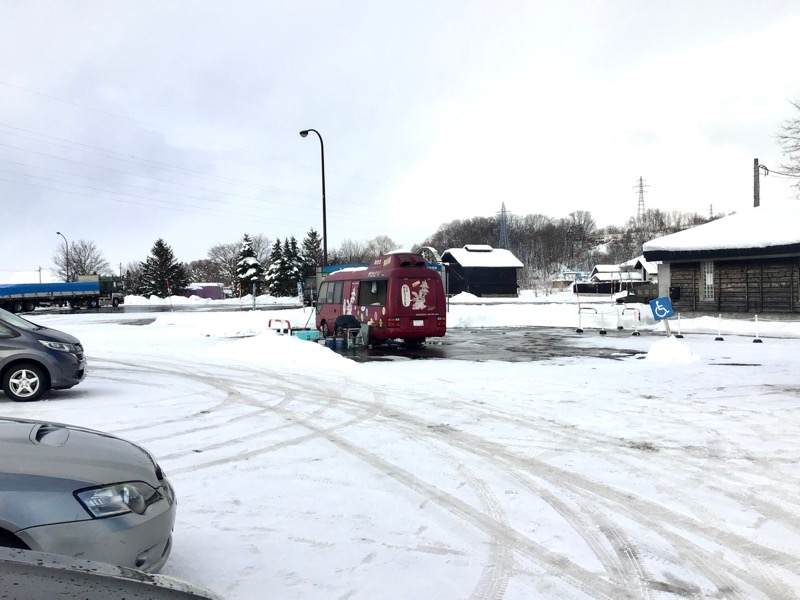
118	499
62	346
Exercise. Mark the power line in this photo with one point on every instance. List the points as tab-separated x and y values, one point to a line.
768	171
139	162
132	120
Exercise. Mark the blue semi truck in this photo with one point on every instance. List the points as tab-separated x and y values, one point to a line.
90	291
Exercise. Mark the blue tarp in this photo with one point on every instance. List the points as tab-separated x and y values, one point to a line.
44	289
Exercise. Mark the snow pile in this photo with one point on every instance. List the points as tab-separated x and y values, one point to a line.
670	351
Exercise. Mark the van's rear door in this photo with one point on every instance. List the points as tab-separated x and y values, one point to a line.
420	305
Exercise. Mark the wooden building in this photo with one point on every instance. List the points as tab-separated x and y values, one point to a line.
748	262
481	270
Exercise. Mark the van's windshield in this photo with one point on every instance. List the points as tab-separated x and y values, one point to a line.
18	322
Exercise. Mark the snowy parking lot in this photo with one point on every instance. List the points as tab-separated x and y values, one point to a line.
670	473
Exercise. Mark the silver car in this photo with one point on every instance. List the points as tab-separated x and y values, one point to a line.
35	359
28	575
82	493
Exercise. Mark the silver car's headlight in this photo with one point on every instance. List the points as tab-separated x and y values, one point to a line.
118	499
62	346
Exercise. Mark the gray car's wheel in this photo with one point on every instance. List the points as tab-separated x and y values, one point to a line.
25	382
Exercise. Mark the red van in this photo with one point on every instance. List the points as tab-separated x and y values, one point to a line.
398	295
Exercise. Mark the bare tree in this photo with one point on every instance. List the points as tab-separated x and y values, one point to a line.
226	256
262	246
132	277
80	258
381	245
205	270
789	139
350	251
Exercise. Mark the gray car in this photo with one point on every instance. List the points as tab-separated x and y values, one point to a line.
82	493
35	359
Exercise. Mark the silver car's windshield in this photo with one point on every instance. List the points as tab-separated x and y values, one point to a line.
18	322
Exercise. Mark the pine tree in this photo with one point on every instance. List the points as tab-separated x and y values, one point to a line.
273	276
311	253
249	271
162	276
292	269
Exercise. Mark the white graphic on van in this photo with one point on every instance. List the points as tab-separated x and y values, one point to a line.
405	295
418	297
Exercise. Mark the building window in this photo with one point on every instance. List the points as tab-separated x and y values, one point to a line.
707	282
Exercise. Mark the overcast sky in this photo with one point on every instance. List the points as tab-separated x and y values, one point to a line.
124	122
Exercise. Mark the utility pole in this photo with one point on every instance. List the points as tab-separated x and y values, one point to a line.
756	184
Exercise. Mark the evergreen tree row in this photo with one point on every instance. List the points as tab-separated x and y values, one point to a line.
249	268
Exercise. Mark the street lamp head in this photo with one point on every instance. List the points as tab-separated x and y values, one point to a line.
304	133
58	233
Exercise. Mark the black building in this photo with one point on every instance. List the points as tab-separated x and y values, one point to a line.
481	270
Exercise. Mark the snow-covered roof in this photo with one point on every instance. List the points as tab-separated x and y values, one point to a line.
479	255
605	269
639	263
618	276
771	229
195	286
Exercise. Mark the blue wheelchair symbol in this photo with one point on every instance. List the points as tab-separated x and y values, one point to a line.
662	308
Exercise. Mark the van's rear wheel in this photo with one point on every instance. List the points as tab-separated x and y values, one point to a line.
25	382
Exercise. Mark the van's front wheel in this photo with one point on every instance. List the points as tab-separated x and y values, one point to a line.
25	382
324	329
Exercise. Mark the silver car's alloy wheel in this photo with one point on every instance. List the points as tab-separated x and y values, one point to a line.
24	383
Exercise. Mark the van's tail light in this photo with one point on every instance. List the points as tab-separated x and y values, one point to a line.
441	321
393	322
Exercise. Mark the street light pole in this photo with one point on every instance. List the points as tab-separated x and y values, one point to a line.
66	251
304	133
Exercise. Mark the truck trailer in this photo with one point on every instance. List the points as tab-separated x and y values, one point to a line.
90	291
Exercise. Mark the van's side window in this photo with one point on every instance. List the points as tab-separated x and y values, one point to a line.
337	292
372	293
322	297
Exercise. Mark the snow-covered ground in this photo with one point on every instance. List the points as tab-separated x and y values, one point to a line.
302	474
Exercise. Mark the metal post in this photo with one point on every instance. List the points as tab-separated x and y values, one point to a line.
304	133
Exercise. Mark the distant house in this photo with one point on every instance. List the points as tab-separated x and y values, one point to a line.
481	270
748	262
566	278
610	279
209	291
647	270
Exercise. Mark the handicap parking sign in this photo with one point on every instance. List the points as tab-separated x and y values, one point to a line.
662	308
